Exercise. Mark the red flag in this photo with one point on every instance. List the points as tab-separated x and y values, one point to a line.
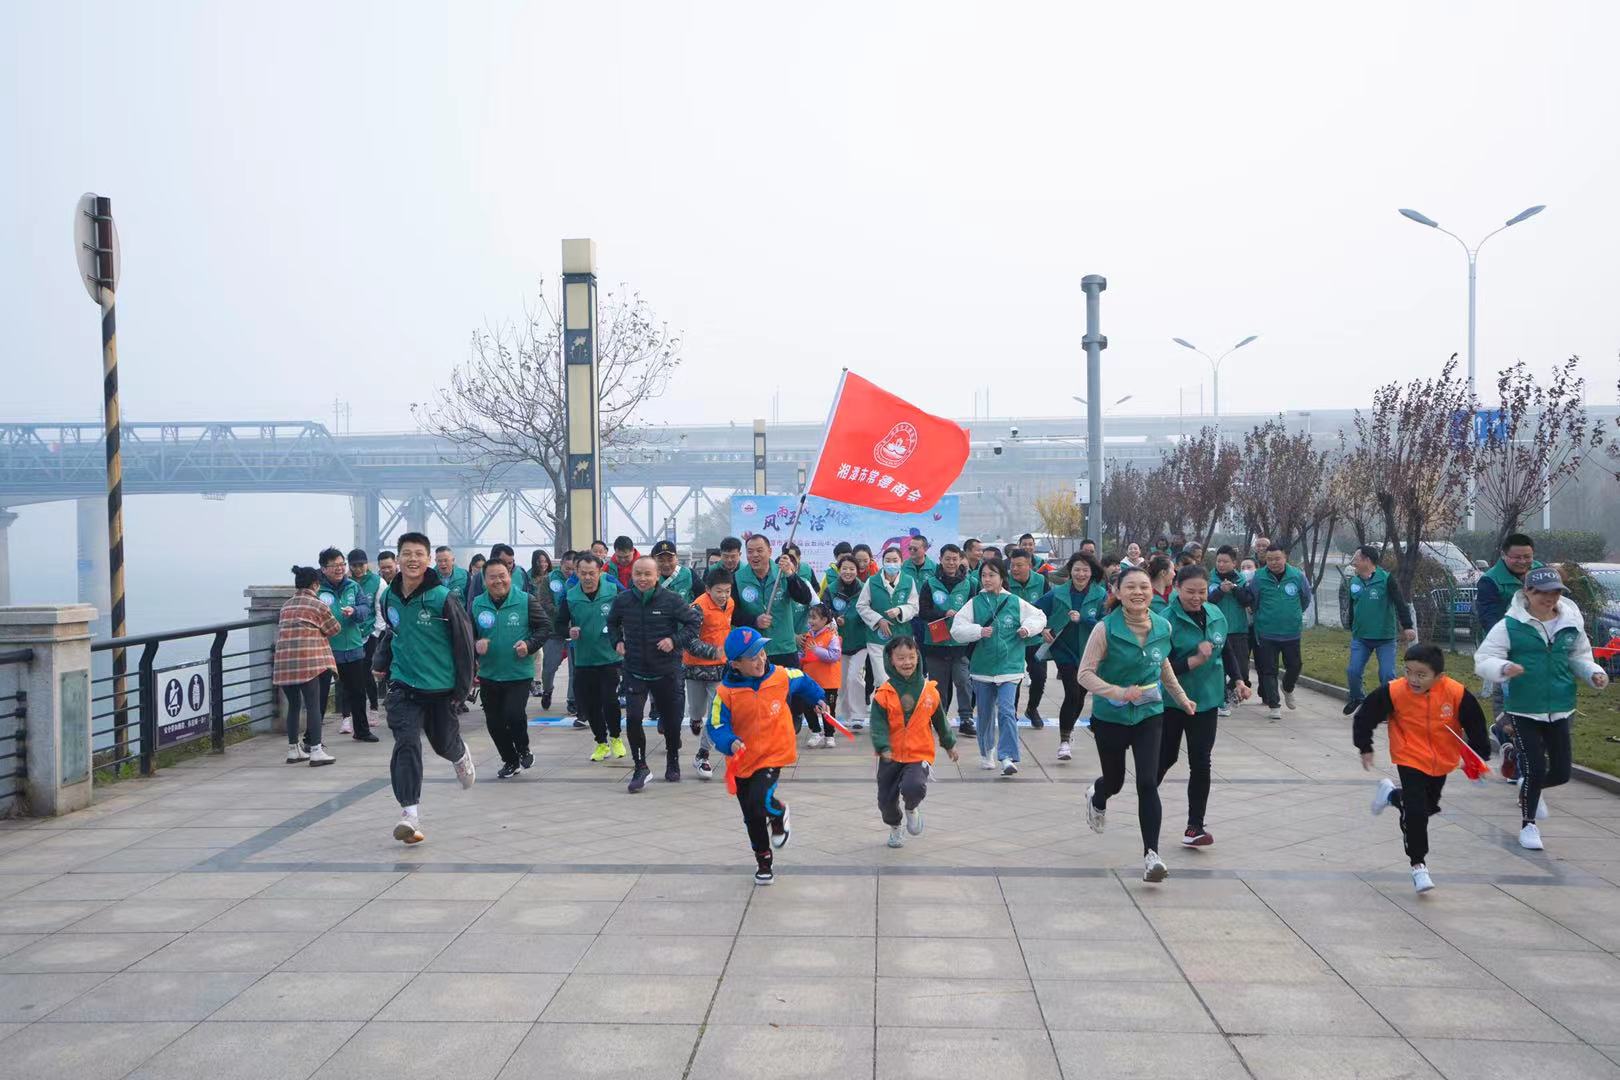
1473	766
883	452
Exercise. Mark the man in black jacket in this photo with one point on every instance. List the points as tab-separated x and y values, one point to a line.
650	627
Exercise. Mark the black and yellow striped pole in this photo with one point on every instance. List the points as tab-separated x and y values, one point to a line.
99	262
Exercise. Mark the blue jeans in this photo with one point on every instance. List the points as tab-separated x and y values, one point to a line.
997	708
1361	651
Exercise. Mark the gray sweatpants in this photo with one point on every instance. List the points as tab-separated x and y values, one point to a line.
412	714
897	780
699	700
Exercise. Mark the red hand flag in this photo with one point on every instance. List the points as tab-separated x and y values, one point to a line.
1473	766
883	452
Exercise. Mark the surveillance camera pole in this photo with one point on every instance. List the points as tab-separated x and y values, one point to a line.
1093	285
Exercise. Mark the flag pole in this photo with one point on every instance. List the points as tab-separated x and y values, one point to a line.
810	477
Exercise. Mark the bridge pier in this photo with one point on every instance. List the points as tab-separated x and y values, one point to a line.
366	524
6	519
95	586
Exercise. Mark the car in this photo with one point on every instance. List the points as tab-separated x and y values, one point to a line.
1606	575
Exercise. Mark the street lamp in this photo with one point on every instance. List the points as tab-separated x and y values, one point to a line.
1115	405
1215	365
1473	259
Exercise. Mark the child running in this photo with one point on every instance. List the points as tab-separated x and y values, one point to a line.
704	661
1425	711
907	713
752	724
820	655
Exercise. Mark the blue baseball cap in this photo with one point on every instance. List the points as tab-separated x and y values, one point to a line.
1545	579
742	643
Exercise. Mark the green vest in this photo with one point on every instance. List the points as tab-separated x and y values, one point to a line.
594	647
1277	613
853	634
337	597
1071	637
421	652
1237	616
1205	684
503	626
948	598
1132	663
457	583
1029	592
750	592
1372	615
882	598
1159	605
679	583
829	580
1002	653
557	582
929	568
1548	682
1506	583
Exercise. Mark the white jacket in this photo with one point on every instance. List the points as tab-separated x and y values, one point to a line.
379	625
965	630
871	617
1492	655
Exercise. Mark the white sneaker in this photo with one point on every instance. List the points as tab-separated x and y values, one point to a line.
914	821
1094	817
1064	751
347	727
705	769
296	753
409	829
1530	838
1288	699
779	839
816	742
1274	712
1009	767
985	762
319	756
895	839
1421	881
1381	794
466	772
1224	710
1153	868
830	742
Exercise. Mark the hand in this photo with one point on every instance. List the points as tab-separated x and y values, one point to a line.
348	612
803	641
1511	670
764	621
1228	586
1600	679
951	614
840	622
481	647
619	648
666	644
521	648
1048	636
573	633
737	747
784	563
1131	695
1366	761
1023	631
1242	691
1409	636
1074	616
985	631
1205	649
952	753
886	756
893	613
883	628
1190	708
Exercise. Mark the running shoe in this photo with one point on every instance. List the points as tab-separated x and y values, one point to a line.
600	753
829	742
1033	715
1094	817
506	771
409	829
895	839
1530	838
618	746
1381	795
347	727
296	753
986	761
1350	706
545	700
1153	868
319	756
367	737
781	829
764	876
1009	767
1196	838
638	778
1224	710
579	725
705	770
466	772
914	821
526	760
966	728
1421	881
1275	712
1065	752
1288	699
696	727
816	742
672	773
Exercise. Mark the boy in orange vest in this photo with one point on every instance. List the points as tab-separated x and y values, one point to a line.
752	724
820	655
1429	715
906	715
704	662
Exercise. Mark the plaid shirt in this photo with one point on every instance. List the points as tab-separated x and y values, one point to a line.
302	649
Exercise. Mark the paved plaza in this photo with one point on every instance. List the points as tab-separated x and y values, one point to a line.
240	918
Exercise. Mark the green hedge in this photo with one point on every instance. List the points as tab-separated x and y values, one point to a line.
1559	545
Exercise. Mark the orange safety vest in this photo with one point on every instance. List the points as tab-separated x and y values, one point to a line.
763	721
1418	735
910	740
826	674
716	625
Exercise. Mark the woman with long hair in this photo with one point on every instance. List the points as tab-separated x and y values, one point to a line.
1073	610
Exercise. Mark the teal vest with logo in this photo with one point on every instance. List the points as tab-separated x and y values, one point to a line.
1548	682
594	647
421	652
337	597
679	583
1002	653
1277	613
853	633
1372	615
948	598
882	598
1506	583
751	593
1237	616
503	626
1071	636
1132	663
1205	684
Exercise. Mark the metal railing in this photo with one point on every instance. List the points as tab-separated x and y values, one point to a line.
235	686
13	728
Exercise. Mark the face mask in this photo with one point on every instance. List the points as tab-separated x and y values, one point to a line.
1248	576
891	569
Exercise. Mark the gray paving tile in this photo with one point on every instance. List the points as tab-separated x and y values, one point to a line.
95	1051
936	958
1378	964
734	1052
300	996
209	886
429	886
46	917
917	1053
1326	1057
1300	1009
575	886
837	893
135	916
804	956
397	1051
90	887
1417	1013
1477	1060
482	996
628	999
1073	1005
29	997
706	919
515	912
971	1003
709	888
1146	1055
156	995
967	892
207	951
340	950
1532	973
559	953
667	954
247	1051
84	952
326	885
599	1051
834	1001
12	884
1114	923
1104	961
1251	961
263	912
415	916
780	919
1202	925
10	943
942	920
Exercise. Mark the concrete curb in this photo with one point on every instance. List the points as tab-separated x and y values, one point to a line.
1596	778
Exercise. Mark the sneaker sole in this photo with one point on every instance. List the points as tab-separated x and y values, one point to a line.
407	834
1203	840
764	881
317	764
1157	874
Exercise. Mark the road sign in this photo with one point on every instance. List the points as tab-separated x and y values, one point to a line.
84	245
1488	425
1082	491
183	711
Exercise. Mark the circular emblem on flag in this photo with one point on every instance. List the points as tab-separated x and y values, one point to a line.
940	596
750	594
1291	589
393	616
486	619
896	448
749	507
327	598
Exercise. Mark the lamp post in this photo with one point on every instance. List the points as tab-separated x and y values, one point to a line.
1106	408
1215	365
1473	260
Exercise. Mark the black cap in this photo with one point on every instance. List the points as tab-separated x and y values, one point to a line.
358	555
664	547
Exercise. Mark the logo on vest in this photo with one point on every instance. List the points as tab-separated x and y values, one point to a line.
1009	621
839	603
486	619
557	587
750	594
393	616
940	596
1445	711
896	448
327	598
1217	640
1355	586
1156	654
606	608
1291	589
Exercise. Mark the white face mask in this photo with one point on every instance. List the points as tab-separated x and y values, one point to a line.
891	569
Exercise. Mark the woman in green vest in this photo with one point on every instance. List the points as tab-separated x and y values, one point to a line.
1126	667
997	623
1539	651
1162	572
887	604
1198	633
1072	610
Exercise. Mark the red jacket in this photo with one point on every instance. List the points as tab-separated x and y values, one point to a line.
622	572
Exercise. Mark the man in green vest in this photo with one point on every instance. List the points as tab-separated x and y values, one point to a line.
427	658
671	574
944	592
1282	593
759	582
1029	587
1502	581
509	627
1377	607
584	610
371	583
451	576
351	606
1232	594
918	564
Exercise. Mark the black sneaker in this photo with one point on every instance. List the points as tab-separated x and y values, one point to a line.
367	737
1351	706
578	723
545	700
526	761
638	778
672	773
781	829
506	771
764	876
966	728
1034	717
696	726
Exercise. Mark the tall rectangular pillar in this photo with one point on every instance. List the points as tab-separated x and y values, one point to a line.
264	602
6	520
582	386
56	731
759	457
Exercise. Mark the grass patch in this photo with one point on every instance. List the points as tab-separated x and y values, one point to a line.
1324	653
173	755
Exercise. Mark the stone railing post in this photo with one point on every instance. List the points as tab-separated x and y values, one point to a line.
264	602
56	730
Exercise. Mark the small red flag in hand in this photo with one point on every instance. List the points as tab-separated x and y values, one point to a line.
883	452
1473	766
829	718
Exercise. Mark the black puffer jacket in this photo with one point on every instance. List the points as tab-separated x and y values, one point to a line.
641	623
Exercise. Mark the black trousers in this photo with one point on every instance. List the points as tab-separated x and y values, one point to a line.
756	794
307	695
1417	800
506	715
1036	670
1074	699
1142	740
897	781
1544	758
371	683
668	695
412	714
1235	657
598	698
1265	658
1200	732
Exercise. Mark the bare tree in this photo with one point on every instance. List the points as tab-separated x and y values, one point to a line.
1283	479
1355	495
506	404
1129	505
1202	472
1417	446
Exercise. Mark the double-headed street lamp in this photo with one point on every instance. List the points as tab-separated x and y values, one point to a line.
1115	405
1215	365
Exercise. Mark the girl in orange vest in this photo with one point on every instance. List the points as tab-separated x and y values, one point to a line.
1429	714
704	662
906	715
821	652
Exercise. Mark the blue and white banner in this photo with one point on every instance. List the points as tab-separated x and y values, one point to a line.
826	523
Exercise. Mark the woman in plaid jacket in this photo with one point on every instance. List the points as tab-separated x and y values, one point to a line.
302	654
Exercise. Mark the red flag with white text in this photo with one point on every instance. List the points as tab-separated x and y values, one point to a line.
883	452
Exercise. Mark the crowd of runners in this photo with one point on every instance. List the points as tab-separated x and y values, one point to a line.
755	655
